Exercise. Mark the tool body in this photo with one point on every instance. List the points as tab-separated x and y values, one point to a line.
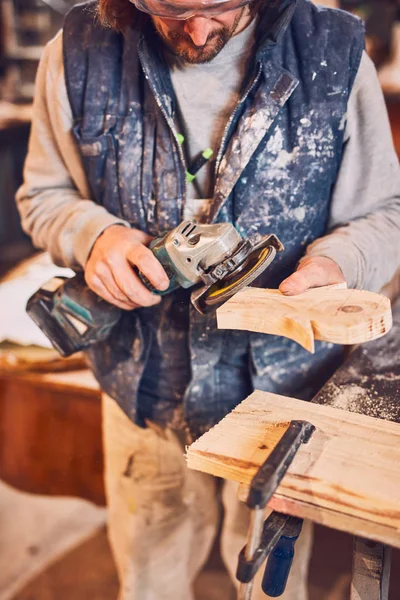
276	536
213	259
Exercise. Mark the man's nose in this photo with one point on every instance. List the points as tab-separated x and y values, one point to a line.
198	28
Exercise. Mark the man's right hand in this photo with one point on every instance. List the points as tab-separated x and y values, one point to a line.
109	271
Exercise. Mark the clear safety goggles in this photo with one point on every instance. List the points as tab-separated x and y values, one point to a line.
185	9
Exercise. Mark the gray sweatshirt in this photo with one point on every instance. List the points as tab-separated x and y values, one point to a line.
364	227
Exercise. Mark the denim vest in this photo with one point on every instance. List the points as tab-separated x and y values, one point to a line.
275	170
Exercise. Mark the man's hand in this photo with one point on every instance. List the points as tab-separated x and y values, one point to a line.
109	271
313	271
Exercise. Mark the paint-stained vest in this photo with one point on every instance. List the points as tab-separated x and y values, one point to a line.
277	165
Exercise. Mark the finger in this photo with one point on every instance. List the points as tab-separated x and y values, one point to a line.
119	289
105	273
132	287
98	287
149	265
308	276
297	283
112	285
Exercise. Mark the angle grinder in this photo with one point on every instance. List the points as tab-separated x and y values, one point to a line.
213	259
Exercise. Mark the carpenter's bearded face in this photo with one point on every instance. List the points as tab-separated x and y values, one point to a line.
199	39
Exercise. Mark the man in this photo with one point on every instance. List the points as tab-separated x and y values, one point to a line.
284	95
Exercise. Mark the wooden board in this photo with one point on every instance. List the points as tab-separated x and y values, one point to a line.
346	477
340	316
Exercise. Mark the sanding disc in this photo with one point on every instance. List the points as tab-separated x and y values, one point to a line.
254	265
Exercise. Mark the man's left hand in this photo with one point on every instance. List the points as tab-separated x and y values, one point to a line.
313	271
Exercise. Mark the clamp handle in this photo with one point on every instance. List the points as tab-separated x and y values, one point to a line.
273	528
279	535
280	560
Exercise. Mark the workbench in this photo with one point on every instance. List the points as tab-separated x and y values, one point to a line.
50	433
346	473
369	383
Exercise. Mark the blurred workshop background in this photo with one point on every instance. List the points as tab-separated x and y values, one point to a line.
52	518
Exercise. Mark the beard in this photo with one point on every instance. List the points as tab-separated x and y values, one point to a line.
182	45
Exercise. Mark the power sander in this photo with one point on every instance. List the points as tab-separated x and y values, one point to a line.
213	259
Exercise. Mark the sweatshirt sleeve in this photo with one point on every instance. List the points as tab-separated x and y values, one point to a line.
54	200
364	228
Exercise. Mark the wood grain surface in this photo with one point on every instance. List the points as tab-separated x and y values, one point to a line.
346	477
330	314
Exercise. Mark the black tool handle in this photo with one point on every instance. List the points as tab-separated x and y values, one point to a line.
280	560
272	531
271	473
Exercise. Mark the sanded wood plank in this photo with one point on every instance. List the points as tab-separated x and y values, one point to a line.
340	316
348	473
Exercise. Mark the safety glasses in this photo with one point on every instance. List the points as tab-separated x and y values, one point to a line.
185	9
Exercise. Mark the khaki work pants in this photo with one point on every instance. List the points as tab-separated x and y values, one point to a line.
163	517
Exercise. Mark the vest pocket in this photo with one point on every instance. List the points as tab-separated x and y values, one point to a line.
100	162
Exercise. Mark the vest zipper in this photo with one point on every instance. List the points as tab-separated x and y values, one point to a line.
171	125
232	117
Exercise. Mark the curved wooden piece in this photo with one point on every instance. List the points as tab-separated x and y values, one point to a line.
330	314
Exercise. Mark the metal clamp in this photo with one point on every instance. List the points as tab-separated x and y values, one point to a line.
278	531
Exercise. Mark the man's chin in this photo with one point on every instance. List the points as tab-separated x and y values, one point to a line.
181	44
195	55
